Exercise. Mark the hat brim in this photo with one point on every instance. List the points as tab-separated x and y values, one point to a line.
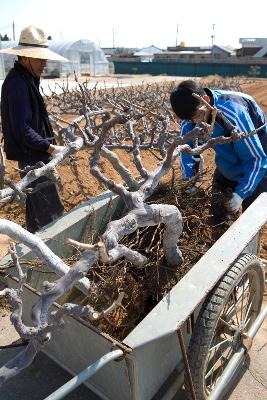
34	52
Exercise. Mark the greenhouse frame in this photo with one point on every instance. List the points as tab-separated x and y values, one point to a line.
85	58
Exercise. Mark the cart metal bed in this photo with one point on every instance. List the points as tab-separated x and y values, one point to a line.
200	330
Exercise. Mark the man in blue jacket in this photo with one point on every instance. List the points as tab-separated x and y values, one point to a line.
241	166
27	133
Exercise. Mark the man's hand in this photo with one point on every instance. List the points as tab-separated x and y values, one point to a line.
54	150
233	205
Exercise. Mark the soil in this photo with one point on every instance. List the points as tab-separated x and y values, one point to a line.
81	186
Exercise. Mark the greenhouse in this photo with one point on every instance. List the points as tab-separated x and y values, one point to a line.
2	68
85	58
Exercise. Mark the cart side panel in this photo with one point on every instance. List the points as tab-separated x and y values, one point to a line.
94	214
154	340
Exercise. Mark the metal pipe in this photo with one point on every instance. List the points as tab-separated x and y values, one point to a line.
77	380
236	359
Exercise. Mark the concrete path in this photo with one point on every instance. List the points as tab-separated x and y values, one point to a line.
253	375
39	380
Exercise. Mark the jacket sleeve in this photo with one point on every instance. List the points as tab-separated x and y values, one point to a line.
20	114
188	163
251	156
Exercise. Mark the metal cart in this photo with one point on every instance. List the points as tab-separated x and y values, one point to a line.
196	335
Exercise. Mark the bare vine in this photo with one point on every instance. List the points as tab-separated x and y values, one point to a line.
104	121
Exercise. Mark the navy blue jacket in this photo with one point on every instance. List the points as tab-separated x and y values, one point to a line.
26	128
244	161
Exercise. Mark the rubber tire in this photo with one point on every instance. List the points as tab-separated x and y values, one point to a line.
208	317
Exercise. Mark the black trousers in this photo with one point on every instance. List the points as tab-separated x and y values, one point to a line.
222	189
43	204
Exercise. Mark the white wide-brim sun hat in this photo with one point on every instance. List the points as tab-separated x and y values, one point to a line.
33	44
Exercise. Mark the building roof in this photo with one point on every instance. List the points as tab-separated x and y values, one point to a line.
227	49
148	51
253	42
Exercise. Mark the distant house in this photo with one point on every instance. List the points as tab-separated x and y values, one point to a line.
253	47
223	51
147	53
198	52
183	55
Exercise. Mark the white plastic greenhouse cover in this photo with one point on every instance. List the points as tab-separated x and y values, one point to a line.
2	67
84	56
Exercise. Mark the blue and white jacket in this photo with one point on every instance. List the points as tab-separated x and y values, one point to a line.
244	161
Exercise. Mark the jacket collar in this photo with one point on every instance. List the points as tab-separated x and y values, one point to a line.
26	73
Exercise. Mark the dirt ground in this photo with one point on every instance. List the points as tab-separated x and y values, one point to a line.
76	188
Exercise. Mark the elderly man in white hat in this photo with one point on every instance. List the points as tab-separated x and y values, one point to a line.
27	133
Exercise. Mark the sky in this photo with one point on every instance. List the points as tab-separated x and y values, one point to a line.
139	23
